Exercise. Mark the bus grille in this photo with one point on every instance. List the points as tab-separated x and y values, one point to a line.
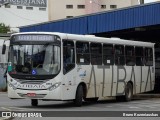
31	81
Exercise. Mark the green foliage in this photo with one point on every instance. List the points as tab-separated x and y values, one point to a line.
4	28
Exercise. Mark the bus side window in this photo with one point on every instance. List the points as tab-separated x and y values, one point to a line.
68	56
139	56
119	55
108	54
83	53
96	53
130	55
148	56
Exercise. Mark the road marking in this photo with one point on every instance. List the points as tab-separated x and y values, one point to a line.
17	108
23	109
149	106
6	109
109	106
133	107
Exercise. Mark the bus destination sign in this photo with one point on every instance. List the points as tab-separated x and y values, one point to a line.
34	38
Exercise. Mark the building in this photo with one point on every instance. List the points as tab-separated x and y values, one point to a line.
17	13
59	9
25	12
139	22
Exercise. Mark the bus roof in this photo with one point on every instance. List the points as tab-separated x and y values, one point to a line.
91	38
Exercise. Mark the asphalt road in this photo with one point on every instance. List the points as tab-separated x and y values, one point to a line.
138	104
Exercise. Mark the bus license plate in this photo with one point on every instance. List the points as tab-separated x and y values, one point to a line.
31	94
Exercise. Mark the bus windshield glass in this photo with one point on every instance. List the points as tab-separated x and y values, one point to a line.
34	59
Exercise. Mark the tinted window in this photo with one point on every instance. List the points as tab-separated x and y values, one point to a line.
130	56
83	55
68	56
96	53
139	56
108	54
148	56
119	55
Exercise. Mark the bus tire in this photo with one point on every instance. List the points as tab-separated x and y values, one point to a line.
34	102
79	96
128	92
91	99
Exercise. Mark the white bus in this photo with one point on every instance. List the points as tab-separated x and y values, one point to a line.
58	66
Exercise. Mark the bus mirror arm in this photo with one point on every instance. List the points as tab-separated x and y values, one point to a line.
5	74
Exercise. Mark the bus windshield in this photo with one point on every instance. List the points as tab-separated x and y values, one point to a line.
34	60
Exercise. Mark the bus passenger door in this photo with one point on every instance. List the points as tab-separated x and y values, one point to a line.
69	69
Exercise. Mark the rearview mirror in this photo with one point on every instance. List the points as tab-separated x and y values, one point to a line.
3	49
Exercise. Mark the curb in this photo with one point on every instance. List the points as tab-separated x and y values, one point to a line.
145	96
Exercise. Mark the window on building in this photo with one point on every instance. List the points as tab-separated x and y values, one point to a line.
19	7
83	53
148	56
68	56
69	16
130	56
139	53
108	54
81	6
113	6
103	6
7	6
29	8
69	6
42	9
119	55
96	53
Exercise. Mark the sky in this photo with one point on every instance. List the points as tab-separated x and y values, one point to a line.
147	1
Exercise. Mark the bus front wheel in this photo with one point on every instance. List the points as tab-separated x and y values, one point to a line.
79	96
34	102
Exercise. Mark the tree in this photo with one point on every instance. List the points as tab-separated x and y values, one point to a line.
4	28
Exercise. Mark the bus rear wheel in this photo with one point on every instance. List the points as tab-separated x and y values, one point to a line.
79	96
128	92
34	102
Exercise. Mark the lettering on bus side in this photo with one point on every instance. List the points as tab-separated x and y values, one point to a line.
134	79
120	80
149	74
104	78
141	81
95	88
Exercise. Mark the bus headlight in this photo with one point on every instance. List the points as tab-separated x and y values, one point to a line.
54	86
12	86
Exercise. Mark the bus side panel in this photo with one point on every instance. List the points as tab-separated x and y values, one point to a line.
149	79
138	79
107	86
69	85
93	78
